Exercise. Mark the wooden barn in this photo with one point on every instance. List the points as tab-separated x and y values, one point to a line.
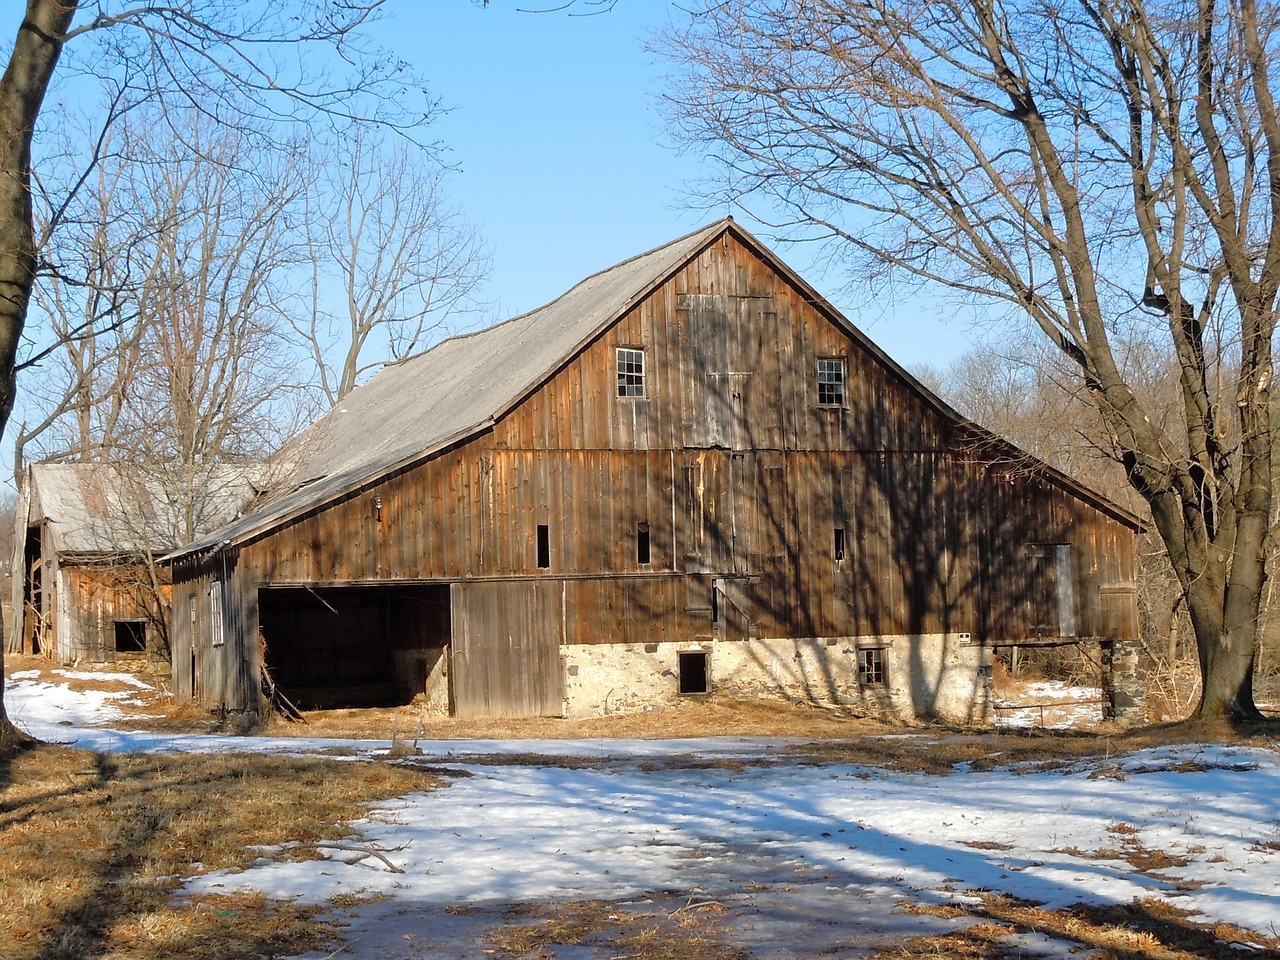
86	585
687	474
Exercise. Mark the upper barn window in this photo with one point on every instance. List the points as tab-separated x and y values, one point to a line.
630	372
831	382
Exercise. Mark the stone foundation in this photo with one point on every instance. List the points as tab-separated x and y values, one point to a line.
1124	682
933	675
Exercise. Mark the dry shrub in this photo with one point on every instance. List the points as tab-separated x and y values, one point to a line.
91	849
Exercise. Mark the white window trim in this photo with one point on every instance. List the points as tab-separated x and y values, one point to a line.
635	378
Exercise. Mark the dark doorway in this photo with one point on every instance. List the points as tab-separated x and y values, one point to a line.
693	672
374	646
33	622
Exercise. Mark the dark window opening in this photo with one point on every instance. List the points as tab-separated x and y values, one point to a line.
871	667
131	636
544	546
693	672
642	543
630	372
839	544
831	383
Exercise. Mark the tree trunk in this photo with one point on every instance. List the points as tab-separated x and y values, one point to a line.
22	90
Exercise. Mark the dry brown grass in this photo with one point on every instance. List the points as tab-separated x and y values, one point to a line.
709	716
938	750
691	932
92	848
1142	930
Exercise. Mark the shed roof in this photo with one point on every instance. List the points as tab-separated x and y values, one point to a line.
412	409
101	509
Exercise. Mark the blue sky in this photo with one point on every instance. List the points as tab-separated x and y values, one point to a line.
564	164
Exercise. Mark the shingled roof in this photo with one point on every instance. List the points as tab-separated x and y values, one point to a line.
413	409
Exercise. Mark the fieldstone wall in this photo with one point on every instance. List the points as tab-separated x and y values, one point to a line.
1124	682
937	675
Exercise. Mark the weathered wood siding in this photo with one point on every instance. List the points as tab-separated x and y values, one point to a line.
736	473
94	597
506	657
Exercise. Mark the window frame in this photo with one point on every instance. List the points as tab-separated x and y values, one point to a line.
217	636
871	667
629	365
834	387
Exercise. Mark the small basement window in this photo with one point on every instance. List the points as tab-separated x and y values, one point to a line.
630	372
131	636
839	544
831	382
544	546
871	667
642	544
693	671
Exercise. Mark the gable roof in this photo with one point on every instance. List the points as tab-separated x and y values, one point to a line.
102	509
417	407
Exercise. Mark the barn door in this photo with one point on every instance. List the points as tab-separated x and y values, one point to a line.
506	648
729	354
1051	594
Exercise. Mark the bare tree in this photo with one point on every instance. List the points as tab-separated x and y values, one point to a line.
1092	167
86	346
222	58
386	243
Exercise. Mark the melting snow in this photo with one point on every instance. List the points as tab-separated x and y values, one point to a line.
519	832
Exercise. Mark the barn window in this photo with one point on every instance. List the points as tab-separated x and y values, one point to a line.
131	636
693	671
839	545
215	613
871	667
544	546
642	544
630	372
831	382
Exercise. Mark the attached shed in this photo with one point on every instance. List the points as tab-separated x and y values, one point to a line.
687	474
86	583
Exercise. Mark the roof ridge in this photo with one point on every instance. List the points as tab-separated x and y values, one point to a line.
708	228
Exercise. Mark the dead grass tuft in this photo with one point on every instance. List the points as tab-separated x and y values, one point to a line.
92	848
1143	930
631	931
1132	850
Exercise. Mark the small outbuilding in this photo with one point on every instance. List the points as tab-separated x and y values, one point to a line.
687	474
86	584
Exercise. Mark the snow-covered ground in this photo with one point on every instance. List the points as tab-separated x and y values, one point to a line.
825	834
